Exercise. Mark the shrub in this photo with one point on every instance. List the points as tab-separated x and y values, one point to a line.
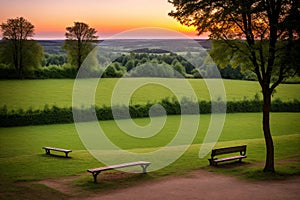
56	115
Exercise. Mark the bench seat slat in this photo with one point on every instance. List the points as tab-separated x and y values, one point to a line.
229	158
57	149
99	169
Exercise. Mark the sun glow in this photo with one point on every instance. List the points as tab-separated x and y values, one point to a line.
51	18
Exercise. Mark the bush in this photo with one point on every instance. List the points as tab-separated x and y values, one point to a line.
56	115
7	72
52	71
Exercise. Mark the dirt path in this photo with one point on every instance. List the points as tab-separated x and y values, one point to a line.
204	185
61	185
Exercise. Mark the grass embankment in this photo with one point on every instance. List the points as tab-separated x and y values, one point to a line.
36	93
23	162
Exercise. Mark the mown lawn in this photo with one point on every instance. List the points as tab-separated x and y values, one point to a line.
23	162
34	94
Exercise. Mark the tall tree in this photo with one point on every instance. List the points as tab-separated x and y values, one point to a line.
79	42
16	49
260	35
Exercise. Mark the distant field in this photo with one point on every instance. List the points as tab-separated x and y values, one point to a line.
36	93
23	161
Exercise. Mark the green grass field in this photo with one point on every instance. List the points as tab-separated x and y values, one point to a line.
36	93
23	162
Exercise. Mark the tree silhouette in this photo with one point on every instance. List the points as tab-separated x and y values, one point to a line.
259	35
17	50
79	42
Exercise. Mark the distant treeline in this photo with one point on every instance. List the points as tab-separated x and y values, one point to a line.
57	115
166	63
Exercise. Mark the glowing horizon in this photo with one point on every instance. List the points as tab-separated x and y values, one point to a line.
107	17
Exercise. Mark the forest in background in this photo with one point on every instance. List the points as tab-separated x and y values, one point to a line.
55	64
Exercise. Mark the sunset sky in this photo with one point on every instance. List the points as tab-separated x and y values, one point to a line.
108	17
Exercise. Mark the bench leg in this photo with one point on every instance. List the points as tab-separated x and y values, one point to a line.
95	174
211	162
47	151
66	154
144	167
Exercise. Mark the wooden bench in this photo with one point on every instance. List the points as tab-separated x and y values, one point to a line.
96	171
215	152
66	151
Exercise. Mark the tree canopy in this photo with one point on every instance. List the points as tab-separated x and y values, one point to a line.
79	42
16	50
259	35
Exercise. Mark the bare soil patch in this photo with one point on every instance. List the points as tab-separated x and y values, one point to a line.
198	184
63	185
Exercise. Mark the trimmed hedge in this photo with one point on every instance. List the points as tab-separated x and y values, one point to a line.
56	115
53	71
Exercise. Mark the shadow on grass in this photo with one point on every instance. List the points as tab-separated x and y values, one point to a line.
111	180
30	191
57	156
254	171
258	174
230	165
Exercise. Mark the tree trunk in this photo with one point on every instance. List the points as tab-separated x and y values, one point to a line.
21	59
269	165
79	54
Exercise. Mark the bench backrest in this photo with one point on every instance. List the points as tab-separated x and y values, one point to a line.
241	149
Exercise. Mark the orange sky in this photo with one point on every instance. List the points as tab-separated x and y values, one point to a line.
108	17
